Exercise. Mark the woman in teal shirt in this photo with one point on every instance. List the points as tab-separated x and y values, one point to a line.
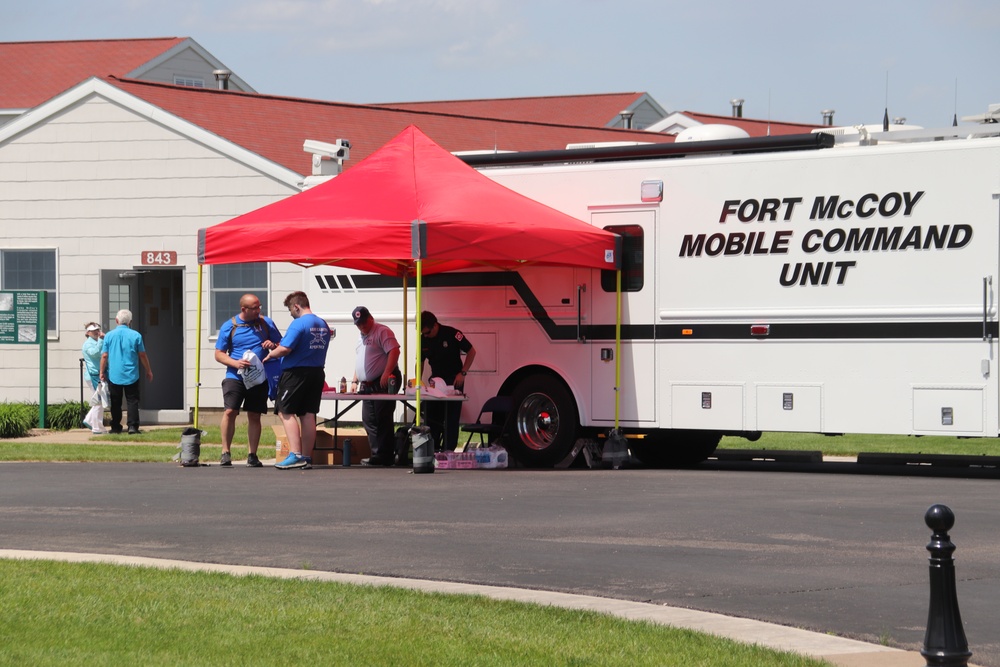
92	352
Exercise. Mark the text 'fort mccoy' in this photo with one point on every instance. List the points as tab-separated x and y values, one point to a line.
834	249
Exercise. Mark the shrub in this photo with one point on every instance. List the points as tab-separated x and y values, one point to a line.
63	416
31	413
16	419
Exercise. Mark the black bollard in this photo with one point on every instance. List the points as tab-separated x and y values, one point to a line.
944	642
83	406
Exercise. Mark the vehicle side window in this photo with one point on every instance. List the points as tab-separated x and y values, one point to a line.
632	259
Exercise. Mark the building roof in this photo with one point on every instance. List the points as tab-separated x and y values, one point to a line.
598	110
37	71
275	127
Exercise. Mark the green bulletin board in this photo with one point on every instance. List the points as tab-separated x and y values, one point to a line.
22	322
20	317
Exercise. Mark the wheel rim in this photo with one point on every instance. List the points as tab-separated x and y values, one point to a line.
538	421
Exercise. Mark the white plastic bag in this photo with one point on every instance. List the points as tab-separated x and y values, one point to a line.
253	374
101	396
95	419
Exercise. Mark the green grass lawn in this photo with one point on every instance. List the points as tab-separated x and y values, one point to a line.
210	435
89	614
853	444
135	448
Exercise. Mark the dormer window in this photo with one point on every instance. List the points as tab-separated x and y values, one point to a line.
189	82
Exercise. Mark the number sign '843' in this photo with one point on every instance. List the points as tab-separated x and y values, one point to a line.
159	257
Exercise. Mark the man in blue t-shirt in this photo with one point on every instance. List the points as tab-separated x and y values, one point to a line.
247	331
121	354
302	351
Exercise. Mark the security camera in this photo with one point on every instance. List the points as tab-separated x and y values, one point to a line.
327	159
337	151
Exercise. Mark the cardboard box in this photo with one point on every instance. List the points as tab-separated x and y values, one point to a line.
326	451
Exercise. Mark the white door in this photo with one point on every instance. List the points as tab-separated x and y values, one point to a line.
637	389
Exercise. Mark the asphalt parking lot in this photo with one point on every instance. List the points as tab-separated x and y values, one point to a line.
841	554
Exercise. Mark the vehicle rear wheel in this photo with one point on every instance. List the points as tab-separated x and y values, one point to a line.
544	423
673	449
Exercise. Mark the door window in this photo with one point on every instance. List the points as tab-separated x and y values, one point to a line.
118	299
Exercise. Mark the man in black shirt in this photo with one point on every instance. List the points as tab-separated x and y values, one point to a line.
443	346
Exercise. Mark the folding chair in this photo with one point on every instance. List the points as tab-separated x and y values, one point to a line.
492	429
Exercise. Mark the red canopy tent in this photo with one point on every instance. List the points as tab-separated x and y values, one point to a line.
410	200
409	208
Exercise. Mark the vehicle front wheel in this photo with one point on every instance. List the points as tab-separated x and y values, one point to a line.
544	422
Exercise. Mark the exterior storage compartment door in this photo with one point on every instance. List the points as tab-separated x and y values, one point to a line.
949	410
794	408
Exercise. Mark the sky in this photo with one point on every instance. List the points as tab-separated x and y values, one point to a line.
789	60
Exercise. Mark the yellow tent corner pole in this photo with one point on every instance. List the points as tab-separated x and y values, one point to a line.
197	354
618	344
420	284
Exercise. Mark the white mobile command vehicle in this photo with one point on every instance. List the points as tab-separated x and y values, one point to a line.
837	282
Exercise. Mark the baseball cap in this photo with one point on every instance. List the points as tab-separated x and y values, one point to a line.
361	315
93	327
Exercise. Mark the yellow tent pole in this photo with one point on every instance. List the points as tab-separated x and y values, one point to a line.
197	354
618	344
420	283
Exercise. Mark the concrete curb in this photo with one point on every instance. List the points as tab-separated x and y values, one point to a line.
837	650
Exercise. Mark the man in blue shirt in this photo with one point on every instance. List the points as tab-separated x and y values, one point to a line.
302	351
247	331
121	354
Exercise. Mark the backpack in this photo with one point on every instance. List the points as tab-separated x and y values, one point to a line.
272	367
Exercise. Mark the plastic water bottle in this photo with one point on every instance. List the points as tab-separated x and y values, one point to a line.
346	461
482	457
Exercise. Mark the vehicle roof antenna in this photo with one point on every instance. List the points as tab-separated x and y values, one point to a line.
885	118
954	118
768	112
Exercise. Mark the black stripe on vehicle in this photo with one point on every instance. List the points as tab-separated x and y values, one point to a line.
830	330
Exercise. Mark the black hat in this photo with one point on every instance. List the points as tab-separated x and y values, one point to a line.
361	315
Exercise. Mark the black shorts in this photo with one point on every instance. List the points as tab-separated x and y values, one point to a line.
300	390
236	396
